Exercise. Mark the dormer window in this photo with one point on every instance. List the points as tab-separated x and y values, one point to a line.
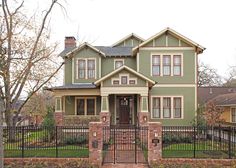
124	79
118	63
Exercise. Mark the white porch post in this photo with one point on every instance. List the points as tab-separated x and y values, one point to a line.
104	114
58	115
143	115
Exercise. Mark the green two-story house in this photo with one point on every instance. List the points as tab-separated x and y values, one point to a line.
130	82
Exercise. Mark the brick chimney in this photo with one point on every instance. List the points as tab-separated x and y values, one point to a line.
70	42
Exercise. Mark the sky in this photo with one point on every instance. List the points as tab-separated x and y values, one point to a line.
103	22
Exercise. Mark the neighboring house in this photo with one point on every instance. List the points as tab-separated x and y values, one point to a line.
130	82
224	97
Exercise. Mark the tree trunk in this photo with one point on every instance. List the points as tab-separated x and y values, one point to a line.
1	133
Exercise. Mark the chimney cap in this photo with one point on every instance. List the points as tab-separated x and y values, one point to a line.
70	37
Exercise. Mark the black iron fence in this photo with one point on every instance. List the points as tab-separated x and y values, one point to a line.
199	142
125	144
56	141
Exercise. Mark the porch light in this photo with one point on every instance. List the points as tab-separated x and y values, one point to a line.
155	134
94	134
145	118
104	118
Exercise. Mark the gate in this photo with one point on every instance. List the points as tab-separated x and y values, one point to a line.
125	144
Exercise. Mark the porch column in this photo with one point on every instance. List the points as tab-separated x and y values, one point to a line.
58	115
104	114
143	115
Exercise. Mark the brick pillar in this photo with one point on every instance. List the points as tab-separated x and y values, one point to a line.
59	118
95	143
154	141
143	115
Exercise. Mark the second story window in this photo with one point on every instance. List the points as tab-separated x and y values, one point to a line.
166	65
156	65
118	63
86	68
91	69
81	69
176	65
124	80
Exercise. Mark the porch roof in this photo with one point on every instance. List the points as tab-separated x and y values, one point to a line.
129	70
73	86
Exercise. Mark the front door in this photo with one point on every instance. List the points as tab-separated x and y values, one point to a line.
124	110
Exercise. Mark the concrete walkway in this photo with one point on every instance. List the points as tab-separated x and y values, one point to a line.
125	166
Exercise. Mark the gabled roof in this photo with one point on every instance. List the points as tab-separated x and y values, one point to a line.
174	33
128	69
127	37
67	52
225	99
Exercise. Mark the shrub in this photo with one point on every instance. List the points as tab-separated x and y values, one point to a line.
75	140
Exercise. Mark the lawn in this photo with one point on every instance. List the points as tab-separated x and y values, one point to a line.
65	151
186	150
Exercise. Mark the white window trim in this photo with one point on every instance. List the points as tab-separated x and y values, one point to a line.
172	107
118	60
231	112
86	68
60	99
171	64
128	79
85	105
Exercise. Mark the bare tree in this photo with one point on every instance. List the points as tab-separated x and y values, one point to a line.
38	105
230	81
1	131
28	61
208	76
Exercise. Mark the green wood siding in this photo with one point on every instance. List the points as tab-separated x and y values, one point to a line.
172	41
189	103
68	71
108	63
188	67
160	41
128	42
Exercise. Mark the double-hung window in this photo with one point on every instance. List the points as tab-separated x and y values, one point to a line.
233	115
176	65
166	65
85	106
86	68
177	107
81	69
91	69
156	65
156	109
166	107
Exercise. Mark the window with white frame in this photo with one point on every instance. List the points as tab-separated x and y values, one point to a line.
81	68
167	107
177	65
166	65
86	106
86	68
124	79
177	107
118	63
233	115
156	108
156	65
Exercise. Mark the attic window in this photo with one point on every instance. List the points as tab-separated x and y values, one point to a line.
132	82
116	82
124	80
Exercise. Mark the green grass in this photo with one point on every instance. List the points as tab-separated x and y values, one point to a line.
66	151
